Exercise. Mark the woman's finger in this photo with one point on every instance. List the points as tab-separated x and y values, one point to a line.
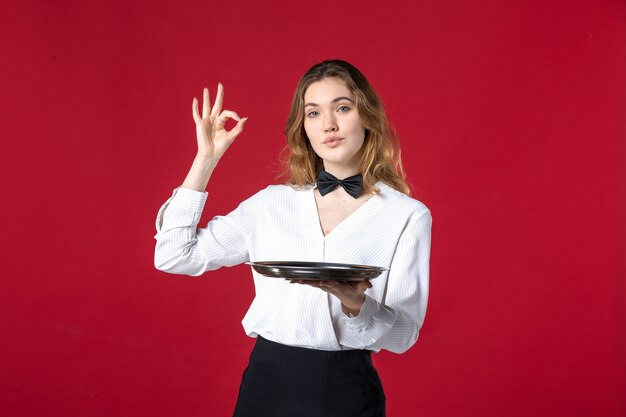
331	287
194	110
337	287
310	283
235	131
362	286
206	103
219	100
227	114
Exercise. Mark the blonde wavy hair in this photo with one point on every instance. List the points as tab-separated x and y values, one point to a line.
380	155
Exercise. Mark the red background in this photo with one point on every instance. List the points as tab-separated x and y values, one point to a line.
511	116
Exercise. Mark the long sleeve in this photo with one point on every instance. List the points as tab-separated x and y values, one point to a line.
394	323
182	248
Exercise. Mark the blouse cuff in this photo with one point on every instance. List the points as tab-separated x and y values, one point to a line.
187	199
365	315
185	209
364	330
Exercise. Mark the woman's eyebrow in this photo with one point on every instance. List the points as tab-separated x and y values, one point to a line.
334	101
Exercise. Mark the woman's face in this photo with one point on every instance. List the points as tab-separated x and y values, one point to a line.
333	125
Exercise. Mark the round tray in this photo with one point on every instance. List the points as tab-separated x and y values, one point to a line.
317	270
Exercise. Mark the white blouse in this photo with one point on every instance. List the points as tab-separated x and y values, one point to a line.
281	223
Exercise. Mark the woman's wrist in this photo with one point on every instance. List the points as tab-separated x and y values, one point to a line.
200	172
205	160
354	306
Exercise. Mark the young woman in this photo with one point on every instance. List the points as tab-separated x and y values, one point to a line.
314	338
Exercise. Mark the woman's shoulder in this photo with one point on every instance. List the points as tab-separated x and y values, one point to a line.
279	193
287	189
400	200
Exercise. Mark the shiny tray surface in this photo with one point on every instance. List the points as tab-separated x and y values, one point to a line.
317	270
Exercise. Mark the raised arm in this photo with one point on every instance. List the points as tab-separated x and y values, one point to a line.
181	247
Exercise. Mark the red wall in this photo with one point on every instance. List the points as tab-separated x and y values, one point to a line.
511	116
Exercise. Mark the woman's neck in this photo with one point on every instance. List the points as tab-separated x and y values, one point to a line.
341	172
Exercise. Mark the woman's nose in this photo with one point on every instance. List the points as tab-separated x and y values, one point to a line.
330	124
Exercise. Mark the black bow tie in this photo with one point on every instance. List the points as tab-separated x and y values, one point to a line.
327	182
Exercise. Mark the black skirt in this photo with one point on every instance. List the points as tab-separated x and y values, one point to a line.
290	381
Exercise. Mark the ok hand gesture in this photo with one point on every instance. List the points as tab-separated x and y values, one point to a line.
213	138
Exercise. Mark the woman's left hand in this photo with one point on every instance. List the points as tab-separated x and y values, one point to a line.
350	293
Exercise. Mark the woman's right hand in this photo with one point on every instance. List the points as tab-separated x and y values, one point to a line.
213	138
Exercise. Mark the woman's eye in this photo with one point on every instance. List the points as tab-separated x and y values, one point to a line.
343	109
312	113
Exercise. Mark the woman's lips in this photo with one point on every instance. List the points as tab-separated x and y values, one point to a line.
332	142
